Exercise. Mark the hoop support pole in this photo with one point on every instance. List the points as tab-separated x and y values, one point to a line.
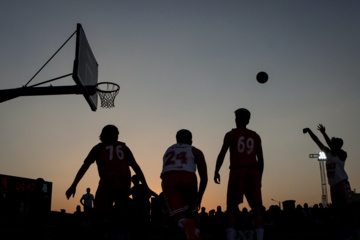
8	94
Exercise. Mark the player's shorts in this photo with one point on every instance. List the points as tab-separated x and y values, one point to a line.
341	193
180	191
244	181
110	192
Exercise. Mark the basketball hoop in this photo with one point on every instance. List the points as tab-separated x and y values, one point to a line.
107	92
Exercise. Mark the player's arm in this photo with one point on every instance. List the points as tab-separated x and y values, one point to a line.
315	139
78	177
133	164
202	169
321	128
154	194
339	152
93	154
221	157
260	158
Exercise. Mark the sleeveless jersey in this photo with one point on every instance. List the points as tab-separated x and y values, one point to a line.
179	157
335	169
111	160
243	145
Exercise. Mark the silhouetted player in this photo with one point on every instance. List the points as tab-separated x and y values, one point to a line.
179	182
141	195
113	159
340	190
246	169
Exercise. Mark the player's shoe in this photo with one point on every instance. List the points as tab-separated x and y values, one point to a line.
190	230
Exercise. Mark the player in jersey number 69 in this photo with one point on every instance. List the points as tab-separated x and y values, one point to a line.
246	169
179	182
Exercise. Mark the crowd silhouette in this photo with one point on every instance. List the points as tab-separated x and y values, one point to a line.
289	222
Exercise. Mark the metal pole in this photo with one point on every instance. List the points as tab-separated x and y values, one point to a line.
324	197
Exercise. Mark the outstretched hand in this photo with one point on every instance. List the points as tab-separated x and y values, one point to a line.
70	191
306	130
321	128
217	178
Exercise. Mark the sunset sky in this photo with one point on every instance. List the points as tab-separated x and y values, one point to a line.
183	64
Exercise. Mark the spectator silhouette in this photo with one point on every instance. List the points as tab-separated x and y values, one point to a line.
78	211
220	222
204	221
87	201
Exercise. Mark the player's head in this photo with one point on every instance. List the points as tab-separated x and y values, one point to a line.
135	179
337	142
184	136
88	190
109	133
242	116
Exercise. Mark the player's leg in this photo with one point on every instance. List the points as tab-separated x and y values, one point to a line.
254	198
102	209
175	187
235	192
174	197
192	223
343	203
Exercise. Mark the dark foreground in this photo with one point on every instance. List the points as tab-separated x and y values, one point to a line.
279	225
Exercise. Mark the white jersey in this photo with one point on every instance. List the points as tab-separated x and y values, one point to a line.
335	169
179	157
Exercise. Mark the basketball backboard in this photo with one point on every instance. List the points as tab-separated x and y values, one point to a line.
85	72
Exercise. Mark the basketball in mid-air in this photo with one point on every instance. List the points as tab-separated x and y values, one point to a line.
262	77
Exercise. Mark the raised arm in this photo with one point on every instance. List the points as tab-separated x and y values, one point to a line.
221	157
315	138
321	128
334	147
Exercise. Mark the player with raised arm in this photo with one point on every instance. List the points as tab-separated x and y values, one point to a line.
246	169
340	190
113	159
179	182
335	166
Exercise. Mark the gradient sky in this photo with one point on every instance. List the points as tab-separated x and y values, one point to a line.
184	64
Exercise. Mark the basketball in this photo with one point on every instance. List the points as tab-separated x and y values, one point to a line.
262	77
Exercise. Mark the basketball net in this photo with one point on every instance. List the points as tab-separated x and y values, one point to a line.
107	92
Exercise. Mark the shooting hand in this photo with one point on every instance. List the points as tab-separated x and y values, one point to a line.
321	128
